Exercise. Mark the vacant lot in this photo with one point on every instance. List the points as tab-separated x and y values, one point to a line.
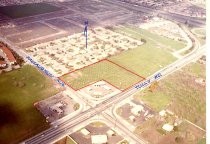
148	58
19	11
185	133
103	70
157	100
160	40
180	93
19	90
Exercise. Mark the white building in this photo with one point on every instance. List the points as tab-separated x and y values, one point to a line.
162	113
99	139
85	132
168	127
137	109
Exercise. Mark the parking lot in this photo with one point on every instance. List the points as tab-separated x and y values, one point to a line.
57	106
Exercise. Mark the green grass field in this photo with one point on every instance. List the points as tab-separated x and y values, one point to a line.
105	70
185	133
157	100
144	60
202	40
19	11
19	90
196	70
202	141
181	94
160	40
149	57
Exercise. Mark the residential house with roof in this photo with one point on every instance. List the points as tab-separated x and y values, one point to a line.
9	55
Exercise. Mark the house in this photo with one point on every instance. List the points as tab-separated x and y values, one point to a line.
162	113
8	54
168	127
136	110
85	132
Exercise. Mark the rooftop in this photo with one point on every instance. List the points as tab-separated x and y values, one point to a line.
99	139
8	53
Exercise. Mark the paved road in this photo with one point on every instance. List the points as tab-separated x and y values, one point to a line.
124	129
167	15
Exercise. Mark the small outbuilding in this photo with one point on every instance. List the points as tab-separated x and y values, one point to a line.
168	127
99	139
85	132
162	113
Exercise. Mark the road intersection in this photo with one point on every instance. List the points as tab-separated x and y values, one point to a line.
55	133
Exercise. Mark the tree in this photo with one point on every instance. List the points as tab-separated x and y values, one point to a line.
76	106
143	40
1	58
153	86
179	139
